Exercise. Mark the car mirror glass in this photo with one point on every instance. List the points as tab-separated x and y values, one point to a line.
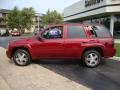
40	37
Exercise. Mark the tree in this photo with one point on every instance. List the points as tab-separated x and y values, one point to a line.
12	18
20	19
27	18
52	17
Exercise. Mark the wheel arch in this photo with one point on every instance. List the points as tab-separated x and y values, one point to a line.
20	47
99	49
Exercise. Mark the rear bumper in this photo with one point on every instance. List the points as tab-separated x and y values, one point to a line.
113	52
110	53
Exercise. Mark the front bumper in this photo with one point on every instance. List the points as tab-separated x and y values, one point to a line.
8	54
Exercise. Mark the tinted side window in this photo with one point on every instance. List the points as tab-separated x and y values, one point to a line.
75	32
101	31
53	33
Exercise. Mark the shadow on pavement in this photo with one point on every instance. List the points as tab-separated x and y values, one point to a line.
104	77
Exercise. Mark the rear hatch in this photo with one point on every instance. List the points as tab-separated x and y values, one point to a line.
103	36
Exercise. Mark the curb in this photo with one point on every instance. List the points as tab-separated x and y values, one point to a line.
115	58
117	41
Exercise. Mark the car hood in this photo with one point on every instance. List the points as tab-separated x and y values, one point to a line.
23	41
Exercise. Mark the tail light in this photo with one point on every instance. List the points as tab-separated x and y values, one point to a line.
113	43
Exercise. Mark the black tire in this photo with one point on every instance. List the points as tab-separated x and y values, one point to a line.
90	60
22	62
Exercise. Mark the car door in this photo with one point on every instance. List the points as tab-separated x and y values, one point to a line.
75	41
50	47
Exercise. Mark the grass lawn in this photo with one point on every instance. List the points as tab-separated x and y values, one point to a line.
118	49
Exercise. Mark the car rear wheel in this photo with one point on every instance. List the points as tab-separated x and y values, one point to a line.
21	57
92	58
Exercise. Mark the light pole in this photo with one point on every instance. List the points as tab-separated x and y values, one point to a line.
38	19
112	20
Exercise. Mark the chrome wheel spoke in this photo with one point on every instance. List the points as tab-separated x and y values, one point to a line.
21	58
18	55
95	57
88	59
91	56
24	59
90	62
17	59
92	59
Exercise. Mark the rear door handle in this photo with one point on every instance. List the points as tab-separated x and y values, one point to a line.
84	42
93	41
60	43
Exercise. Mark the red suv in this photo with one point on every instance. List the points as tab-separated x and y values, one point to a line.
89	43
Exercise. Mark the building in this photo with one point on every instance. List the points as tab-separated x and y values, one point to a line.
3	24
37	23
3	13
105	12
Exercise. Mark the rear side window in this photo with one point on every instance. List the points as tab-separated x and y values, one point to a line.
100	32
75	32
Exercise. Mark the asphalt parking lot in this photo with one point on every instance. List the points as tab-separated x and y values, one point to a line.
57	75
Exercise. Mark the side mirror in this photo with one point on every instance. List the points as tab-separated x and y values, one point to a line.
40	37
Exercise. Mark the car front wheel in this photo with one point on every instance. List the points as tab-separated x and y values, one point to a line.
92	58
21	57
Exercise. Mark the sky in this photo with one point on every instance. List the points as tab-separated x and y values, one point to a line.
40	6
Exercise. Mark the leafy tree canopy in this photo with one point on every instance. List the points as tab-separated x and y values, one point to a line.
20	19
52	17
